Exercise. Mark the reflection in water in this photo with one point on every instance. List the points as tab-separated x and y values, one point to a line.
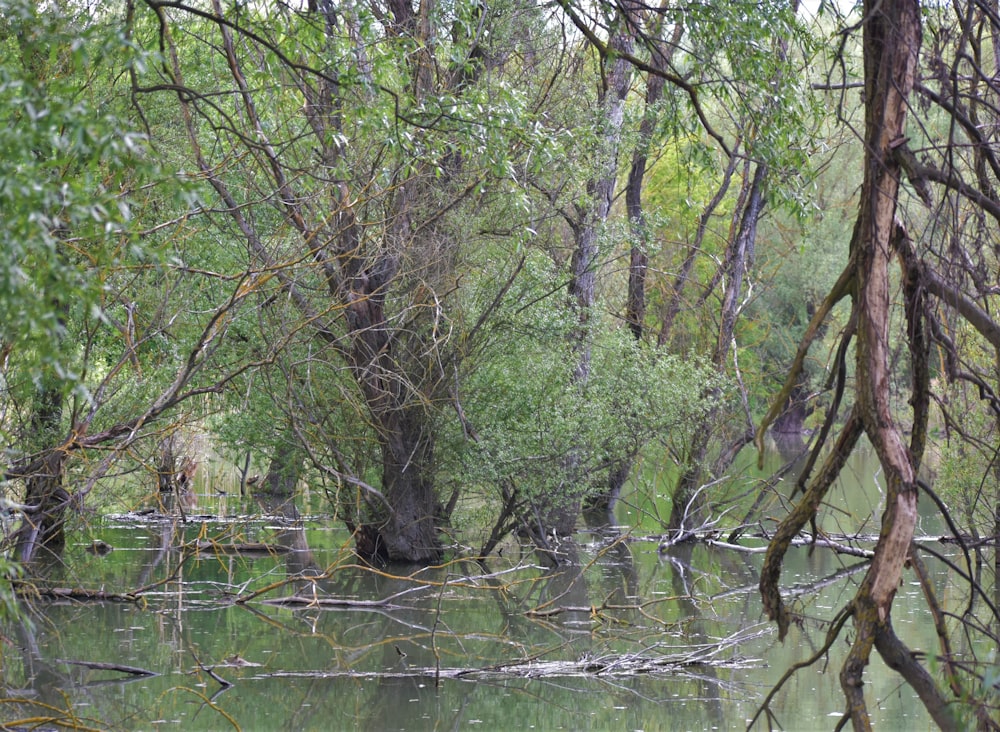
522	645
39	674
680	561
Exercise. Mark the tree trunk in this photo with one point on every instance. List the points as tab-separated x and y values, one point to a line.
404	528
599	506
175	474
687	500
409	533
283	471
792	419
43	527
561	512
635	303
892	36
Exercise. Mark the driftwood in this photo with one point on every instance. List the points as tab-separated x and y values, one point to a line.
612	665
333	602
102	666
26	589
623	666
246	548
609	666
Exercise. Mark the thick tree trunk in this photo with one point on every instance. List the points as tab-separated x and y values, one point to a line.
44	492
283	472
410	533
43	528
406	529
792	419
175	473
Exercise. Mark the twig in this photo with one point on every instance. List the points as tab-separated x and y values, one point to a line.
831	636
434	648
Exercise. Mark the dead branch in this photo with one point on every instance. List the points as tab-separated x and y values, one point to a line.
259	548
29	590
608	666
329	602
102	666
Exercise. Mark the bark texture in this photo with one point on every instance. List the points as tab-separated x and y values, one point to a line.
892	35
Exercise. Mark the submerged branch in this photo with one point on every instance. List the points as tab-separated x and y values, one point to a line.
102	666
610	665
336	602
245	548
28	589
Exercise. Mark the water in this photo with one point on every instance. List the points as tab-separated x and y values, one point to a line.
612	642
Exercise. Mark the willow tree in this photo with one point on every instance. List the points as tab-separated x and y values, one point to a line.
721	86
99	339
904	216
69	161
348	147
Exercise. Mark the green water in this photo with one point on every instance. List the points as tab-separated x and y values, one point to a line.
611	642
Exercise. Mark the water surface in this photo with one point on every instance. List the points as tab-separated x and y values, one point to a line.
625	638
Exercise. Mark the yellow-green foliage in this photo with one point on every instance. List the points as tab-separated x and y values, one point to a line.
968	475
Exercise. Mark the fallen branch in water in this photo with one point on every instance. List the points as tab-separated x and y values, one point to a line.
257	548
210	670
837	543
611	665
102	666
317	601
27	589
798	589
605	666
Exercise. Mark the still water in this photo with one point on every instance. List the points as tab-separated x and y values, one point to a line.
626	638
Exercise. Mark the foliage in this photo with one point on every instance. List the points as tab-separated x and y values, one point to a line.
539	433
347	236
967	466
69	167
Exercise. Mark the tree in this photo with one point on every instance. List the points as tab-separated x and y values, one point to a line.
892	36
66	162
105	329
745	121
348	147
